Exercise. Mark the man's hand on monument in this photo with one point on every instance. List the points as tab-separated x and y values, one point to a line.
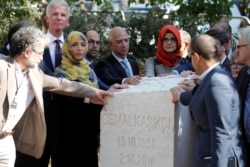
99	98
187	73
176	93
187	84
134	80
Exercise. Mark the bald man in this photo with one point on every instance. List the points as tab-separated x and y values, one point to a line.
215	108
111	70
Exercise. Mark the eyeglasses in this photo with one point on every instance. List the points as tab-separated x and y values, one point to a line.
237	64
191	54
34	50
171	40
91	41
239	46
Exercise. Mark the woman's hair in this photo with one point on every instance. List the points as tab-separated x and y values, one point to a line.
245	33
234	56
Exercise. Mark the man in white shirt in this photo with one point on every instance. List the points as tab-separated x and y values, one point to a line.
22	111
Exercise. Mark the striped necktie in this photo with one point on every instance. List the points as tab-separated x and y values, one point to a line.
58	53
125	67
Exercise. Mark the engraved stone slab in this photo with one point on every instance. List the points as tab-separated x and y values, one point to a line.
140	128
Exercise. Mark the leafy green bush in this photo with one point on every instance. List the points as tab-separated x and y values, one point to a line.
12	11
142	28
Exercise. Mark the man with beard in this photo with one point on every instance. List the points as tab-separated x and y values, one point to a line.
94	42
94	46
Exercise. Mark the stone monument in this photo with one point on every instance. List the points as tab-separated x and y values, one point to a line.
141	127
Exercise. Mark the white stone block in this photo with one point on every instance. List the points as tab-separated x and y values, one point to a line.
141	127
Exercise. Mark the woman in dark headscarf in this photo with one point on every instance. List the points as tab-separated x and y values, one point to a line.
167	54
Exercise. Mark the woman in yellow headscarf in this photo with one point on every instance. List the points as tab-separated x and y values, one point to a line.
78	124
74	66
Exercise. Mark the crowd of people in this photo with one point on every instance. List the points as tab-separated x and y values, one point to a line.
54	89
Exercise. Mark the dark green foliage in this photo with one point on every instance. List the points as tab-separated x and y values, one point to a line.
143	28
100	21
12	11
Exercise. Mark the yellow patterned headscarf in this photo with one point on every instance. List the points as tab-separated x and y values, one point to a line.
74	69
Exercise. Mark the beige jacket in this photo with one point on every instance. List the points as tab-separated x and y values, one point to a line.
30	132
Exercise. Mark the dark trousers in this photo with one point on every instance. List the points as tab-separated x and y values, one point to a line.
24	160
248	153
50	149
52	118
78	132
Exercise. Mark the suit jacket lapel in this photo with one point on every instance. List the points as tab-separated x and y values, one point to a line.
117	66
47	59
11	80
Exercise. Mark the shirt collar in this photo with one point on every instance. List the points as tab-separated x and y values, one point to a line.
204	74
118	58
222	61
18	69
53	38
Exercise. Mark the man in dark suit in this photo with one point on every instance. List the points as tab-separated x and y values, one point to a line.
226	27
243	82
111	70
185	61
57	18
222	44
94	45
215	108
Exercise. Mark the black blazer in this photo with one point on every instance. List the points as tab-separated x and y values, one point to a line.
47	60
242	81
47	67
226	64
47	57
110	71
4	50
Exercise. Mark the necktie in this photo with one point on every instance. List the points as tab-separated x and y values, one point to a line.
58	53
125	66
